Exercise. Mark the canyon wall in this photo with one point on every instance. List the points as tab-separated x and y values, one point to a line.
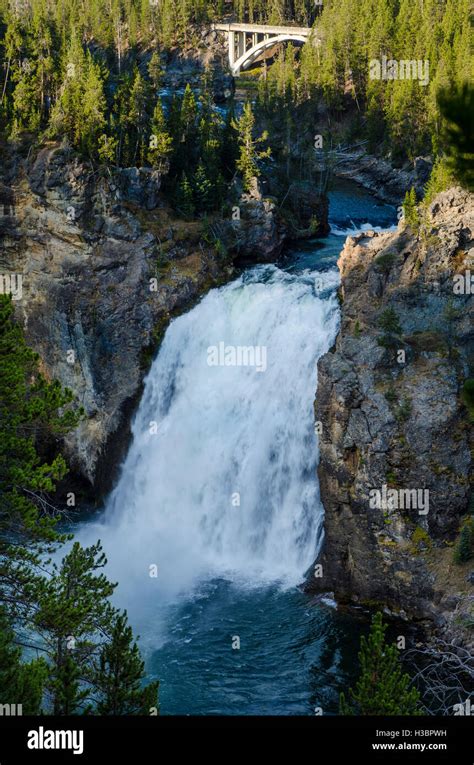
394	416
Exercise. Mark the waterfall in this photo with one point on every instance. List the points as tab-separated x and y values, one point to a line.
220	478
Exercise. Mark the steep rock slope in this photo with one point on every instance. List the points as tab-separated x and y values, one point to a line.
86	248
393	416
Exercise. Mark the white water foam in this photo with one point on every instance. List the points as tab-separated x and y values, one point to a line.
225	432
354	230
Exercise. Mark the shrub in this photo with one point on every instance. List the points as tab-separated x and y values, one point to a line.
464	550
389	322
385	262
410	209
404	410
420	537
382	687
440	179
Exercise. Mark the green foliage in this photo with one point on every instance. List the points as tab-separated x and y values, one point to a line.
68	609
403	115
39	92
389	322
72	606
20	683
403	412
250	154
79	112
391	394
385	262
202	187
441	178
107	149
420	538
382	688
457	110
184	198
118	675
160	142
410	209
464	550
155	70
30	409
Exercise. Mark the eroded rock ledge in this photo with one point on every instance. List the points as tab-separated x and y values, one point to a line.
400	424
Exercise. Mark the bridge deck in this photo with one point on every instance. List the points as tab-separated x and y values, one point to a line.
262	29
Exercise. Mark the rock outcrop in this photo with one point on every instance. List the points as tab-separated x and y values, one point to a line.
393	415
101	277
379	176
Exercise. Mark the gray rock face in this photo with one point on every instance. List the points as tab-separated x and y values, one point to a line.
139	185
393	416
259	234
380	177
101	279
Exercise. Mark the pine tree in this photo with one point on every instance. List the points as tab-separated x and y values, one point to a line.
72	609
160	142
19	683
209	132
188	114
465	548
229	147
183	128
120	120
382	688
202	188
457	109
410	209
389	322
249	152
137	117
155	71
93	108
66	115
184	197
107	149
118	675
30	407
26	112
64	686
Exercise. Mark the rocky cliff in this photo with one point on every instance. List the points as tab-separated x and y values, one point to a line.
394	418
379	176
101	276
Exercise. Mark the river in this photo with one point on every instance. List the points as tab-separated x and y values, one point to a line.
216	516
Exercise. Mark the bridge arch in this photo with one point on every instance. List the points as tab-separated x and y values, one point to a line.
239	35
252	53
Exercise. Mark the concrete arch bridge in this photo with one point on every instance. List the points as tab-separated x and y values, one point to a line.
248	41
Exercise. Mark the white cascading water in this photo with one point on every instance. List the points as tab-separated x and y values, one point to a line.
226	487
